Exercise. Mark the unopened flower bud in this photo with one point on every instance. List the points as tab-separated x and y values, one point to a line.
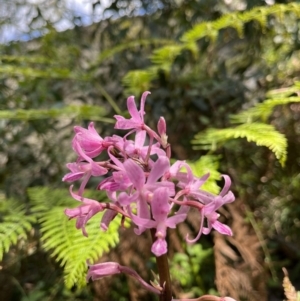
162	130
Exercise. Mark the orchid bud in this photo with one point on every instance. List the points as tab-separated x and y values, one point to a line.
162	130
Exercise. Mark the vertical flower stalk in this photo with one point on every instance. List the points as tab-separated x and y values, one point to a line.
143	186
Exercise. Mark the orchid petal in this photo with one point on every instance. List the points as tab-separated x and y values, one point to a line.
159	204
159	247
159	168
222	228
135	174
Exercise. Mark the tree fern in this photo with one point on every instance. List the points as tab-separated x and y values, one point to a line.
14	224
63	240
260	133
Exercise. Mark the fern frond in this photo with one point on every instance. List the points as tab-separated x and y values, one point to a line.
24	59
166	54
262	111
237	20
259	133
127	45
289	290
205	164
284	92
71	248
79	112
11	70
14	224
63	240
139	80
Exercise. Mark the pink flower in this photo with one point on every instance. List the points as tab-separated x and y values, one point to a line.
89	140
84	212
99	270
137	117
144	186
83	169
160	208
209	210
138	149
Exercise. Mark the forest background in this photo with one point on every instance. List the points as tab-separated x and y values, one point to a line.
224	74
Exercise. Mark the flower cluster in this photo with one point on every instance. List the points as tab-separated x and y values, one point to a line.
140	181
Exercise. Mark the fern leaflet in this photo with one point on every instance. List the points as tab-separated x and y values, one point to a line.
260	133
14	224
261	111
80	112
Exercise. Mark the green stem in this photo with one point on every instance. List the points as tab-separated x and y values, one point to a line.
164	274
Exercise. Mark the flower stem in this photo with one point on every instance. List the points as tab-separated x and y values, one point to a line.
164	274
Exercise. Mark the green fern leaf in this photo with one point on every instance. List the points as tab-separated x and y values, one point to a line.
262	111
237	20
284	92
127	45
79	112
260	133
11	70
71	248
60	236
166	54
14	224
24	59
138	81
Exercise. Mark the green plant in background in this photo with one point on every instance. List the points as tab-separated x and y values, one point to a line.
59	236
15	224
163	58
187	269
261	133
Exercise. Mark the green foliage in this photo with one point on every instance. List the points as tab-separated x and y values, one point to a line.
208	164
260	133
164	57
59	235
15	224
186	268
78	112
237	20
197	79
66	243
127	45
264	110
11	70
